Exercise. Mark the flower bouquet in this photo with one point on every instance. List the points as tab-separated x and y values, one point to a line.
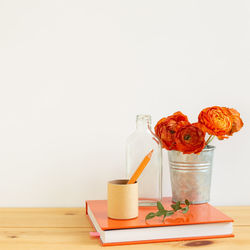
190	155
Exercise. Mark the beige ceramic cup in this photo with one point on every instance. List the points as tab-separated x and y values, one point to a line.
122	200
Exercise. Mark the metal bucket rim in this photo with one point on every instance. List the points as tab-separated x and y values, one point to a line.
206	149
209	148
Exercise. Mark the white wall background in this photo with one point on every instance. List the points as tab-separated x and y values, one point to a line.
74	74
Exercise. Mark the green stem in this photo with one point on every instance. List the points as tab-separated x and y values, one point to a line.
210	138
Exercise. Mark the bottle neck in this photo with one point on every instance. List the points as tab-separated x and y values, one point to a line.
143	122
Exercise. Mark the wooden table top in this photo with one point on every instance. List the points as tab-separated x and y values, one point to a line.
68	228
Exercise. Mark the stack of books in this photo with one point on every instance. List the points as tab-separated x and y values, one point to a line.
201	222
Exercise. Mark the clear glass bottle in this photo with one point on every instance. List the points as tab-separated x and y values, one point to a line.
138	145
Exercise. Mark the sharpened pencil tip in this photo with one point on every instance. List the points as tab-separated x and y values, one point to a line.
150	153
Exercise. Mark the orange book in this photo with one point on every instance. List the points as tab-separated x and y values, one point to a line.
201	222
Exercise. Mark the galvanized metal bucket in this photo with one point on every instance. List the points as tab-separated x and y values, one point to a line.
191	175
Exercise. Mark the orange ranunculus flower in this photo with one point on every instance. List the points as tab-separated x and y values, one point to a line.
237	121
165	129
216	121
190	138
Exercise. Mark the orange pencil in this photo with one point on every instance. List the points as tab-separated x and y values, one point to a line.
141	167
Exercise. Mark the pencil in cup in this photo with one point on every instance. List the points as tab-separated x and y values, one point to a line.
141	167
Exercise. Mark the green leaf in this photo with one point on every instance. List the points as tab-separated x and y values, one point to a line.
187	202
160	213
160	206
174	207
164	216
178	205
185	209
169	212
150	216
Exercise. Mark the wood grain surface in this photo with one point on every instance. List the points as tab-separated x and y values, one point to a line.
68	228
